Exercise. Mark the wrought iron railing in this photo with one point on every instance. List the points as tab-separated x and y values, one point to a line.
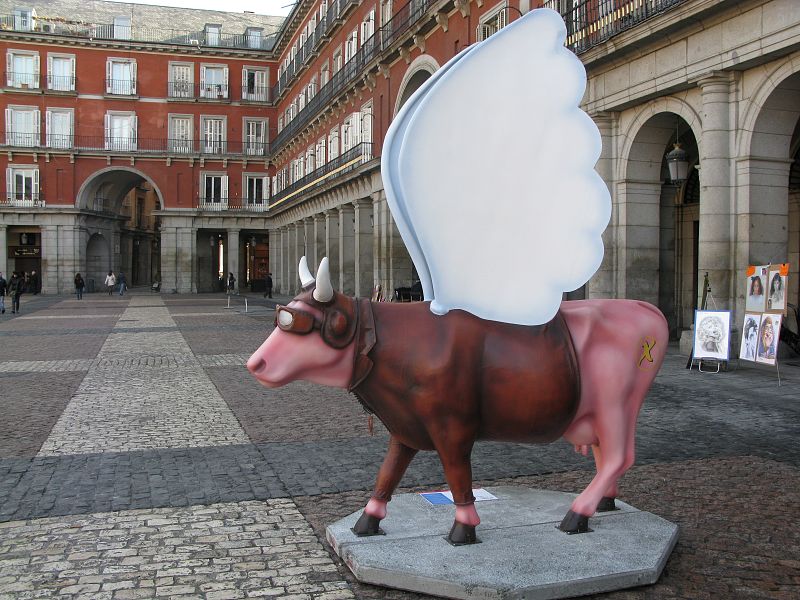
133	144
65	27
219	204
209	91
121	87
591	22
387	35
344	163
21	79
22	200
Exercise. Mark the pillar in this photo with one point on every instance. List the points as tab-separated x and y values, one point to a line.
50	259
232	255
169	259
380	263
274	256
332	245
293	280
364	248
318	249
347	250
603	282
283	273
4	251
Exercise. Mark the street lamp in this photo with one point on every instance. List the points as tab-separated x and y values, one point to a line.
677	161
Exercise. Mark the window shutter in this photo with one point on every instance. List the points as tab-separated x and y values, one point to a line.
109	75
202	82
36	184
133	77
224	188
71	84
225	82
9	69
9	184
245	90
48	128
107	129
36	68
356	135
501	18
50	72
134	132
37	128
274	184
9	127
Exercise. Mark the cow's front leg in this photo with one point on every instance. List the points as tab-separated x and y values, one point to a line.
458	472
395	463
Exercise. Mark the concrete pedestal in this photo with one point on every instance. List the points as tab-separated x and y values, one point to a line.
521	554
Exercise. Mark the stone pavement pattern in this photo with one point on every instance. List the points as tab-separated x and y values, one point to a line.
138	459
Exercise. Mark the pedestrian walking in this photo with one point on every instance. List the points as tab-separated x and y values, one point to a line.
79	285
3	286
123	283
268	286
231	283
15	288
35	283
111	282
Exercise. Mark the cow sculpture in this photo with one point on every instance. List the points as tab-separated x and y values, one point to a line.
443	382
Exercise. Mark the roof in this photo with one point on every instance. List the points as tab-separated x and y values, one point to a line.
143	16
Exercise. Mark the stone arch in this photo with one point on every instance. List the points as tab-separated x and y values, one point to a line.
115	181
418	72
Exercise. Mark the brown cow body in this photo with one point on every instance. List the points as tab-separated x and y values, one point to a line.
443	382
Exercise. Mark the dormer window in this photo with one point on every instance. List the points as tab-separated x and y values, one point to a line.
212	34
122	28
254	36
24	19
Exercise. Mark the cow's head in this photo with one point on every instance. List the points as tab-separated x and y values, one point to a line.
313	337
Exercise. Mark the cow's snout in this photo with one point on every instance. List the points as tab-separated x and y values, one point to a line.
256	364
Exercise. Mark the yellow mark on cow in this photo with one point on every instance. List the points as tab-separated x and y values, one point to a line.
648	343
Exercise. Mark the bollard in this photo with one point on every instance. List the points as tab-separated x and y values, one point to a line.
245	304
229	302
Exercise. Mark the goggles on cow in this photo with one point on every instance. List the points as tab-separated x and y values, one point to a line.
293	320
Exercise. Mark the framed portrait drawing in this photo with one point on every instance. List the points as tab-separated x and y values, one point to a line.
712	334
755	292
749	347
777	280
768	334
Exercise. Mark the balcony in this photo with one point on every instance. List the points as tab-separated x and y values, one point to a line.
592	22
131	144
232	204
58	26
22	80
23	200
344	163
121	87
191	91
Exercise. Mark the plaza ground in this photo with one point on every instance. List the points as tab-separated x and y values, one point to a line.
139	459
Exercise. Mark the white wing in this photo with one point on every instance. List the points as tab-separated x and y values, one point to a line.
489	173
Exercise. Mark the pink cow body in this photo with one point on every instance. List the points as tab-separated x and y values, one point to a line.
443	382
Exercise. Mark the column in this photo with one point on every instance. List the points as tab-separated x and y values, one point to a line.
185	259
69	243
232	251
364	248
715	251
4	251
347	250
318	250
332	245
401	267
274	257
293	280
169	259
379	247
306	244
50	259
602	284
284	260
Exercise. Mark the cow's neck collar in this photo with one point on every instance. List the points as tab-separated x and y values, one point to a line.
365	340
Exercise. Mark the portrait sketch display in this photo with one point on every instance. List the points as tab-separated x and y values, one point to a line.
756	281
711	334
768	334
749	346
776	288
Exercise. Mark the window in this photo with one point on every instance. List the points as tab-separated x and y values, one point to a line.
333	144
257	189
254	35
213	81
366	128
255	137
22	185
122	28
324	74
320	152
22	126
492	22
120	131
214	137
323	9
386	11
23	69
254	84
214	187
24	19
351	131
311	90
280	123
180	134
337	60
311	163
351	45
59	127
212	34
368	27
181	80
121	76
61	72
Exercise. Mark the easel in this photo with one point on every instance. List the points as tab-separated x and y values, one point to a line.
703	305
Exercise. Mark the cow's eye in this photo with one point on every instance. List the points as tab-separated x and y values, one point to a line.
285	319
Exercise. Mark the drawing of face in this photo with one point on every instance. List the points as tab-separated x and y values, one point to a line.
767	334
755	287
711	331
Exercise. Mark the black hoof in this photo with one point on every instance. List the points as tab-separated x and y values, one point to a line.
461	535
367	525
574	523
606	504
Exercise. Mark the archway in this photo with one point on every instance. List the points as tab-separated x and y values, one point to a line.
125	203
659	221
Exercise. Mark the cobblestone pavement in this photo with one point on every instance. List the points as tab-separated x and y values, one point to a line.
138	459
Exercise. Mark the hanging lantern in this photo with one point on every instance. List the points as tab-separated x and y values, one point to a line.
678	164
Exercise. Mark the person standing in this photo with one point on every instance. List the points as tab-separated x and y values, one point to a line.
35	283
231	283
123	283
15	287
268	286
111	282
79	285
3	286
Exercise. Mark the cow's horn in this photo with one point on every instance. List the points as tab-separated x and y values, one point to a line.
324	290
306	278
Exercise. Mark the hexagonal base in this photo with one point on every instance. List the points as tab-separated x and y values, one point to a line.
521	554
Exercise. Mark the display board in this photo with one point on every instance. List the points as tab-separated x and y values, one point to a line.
765	307
712	334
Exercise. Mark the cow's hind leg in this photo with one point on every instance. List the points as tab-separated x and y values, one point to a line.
607	503
395	463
